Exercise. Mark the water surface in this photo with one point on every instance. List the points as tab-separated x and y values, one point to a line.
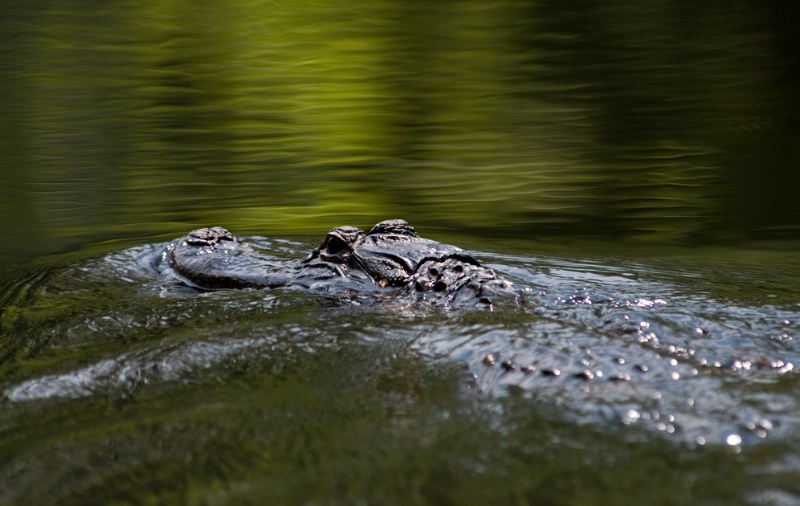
632	164
134	388
669	122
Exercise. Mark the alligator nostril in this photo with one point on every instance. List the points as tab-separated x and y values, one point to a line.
440	286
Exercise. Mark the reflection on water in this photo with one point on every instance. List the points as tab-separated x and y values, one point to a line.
667	121
128	123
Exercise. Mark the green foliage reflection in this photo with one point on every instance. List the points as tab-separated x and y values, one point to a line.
663	122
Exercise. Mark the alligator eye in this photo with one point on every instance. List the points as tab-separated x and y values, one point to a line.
335	245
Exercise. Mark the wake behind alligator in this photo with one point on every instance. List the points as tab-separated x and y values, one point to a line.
625	344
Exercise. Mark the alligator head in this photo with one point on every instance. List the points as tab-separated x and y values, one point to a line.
391	254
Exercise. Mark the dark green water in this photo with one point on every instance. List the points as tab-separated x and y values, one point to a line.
632	163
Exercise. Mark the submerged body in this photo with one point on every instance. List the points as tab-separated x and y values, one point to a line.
391	254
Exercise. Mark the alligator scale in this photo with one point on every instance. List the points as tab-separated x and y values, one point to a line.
391	254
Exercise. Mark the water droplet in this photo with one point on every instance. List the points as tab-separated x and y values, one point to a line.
733	439
631	416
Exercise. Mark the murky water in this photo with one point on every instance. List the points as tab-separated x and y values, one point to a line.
631	164
120	387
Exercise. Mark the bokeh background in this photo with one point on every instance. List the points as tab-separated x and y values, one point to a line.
632	121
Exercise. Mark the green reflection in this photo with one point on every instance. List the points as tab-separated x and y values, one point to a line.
667	122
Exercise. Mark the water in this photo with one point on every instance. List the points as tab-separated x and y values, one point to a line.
134	388
631	164
663	123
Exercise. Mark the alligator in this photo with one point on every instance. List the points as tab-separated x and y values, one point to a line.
629	342
390	255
